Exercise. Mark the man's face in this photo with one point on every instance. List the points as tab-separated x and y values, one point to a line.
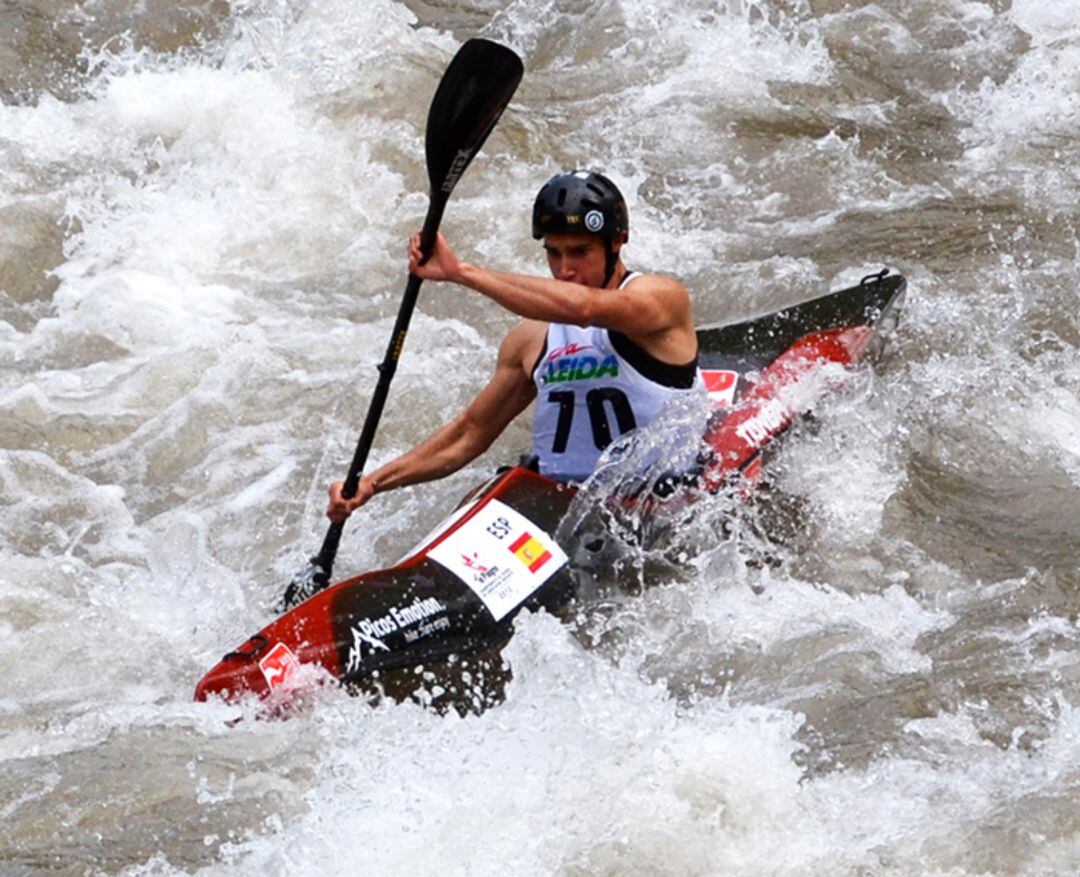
576	257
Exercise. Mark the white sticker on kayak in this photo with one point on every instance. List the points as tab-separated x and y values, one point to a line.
445	524
501	555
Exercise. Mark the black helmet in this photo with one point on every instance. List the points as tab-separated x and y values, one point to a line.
581	201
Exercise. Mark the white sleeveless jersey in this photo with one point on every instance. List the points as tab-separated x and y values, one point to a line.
587	396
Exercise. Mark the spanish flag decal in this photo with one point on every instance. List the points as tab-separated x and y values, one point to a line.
530	551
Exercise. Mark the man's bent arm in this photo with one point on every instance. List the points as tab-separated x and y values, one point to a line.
652	304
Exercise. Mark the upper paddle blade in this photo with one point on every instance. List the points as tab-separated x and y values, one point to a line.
473	92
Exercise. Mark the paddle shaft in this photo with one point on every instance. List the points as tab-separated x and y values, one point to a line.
324	560
472	94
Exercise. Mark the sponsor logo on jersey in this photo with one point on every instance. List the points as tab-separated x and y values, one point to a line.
368	632
279	665
530	551
568	350
579	368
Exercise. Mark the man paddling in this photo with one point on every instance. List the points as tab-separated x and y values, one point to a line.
601	348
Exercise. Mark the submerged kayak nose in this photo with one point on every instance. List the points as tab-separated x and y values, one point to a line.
453	598
272	658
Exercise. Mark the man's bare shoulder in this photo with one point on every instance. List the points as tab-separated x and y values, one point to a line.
664	296
522	344
657	284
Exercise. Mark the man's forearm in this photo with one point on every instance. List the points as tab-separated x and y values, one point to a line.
535	298
443	452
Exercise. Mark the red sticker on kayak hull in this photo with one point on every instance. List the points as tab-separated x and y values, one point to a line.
720	386
279	665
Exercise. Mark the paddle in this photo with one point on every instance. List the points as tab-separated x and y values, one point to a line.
473	93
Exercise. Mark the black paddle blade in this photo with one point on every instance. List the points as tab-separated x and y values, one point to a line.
305	583
472	95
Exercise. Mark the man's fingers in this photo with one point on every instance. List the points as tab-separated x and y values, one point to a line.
338	509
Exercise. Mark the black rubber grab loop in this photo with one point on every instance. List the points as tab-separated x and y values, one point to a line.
258	643
874	278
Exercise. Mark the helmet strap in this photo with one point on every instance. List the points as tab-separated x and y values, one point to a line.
609	265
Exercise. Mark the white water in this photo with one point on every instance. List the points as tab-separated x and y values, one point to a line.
201	253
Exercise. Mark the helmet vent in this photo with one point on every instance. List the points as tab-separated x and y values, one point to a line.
568	202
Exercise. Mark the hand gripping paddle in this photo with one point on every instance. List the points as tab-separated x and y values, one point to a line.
473	93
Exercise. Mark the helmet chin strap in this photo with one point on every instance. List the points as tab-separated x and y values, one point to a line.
610	262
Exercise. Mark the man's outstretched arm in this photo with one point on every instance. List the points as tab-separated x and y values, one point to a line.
462	440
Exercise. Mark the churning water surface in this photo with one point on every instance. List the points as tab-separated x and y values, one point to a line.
203	212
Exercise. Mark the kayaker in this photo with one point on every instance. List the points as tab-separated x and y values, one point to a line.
602	348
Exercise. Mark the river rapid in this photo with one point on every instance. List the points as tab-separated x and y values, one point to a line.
873	670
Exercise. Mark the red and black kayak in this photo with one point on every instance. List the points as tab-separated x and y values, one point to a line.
448	606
